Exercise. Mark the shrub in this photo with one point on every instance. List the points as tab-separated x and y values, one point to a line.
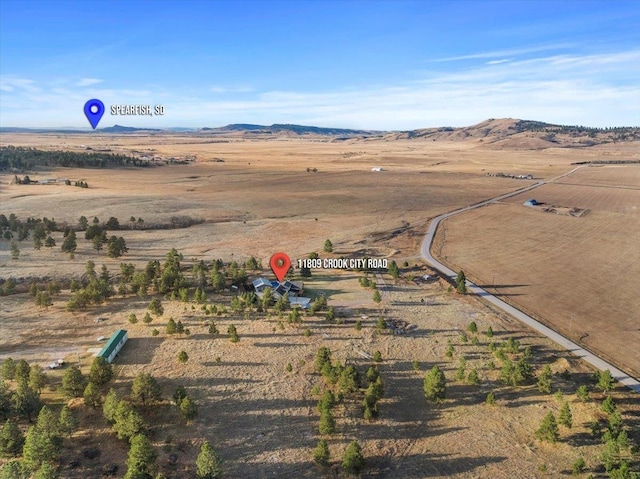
233	333
449	352
578	466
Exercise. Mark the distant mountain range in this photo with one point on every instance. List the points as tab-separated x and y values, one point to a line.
522	134
287	128
237	127
504	132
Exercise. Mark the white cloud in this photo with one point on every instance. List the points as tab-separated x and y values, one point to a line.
88	82
505	53
235	89
595	90
498	62
11	83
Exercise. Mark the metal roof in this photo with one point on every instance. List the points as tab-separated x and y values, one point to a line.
108	348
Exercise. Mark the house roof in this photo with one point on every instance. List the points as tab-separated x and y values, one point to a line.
108	348
263	282
299	301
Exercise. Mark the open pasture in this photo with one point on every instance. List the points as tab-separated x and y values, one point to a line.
581	276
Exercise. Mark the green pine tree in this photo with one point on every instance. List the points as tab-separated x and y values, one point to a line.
67	421
548	430
321	453
353	461
327	423
434	384
564	416
141	461
188	409
605	380
544	380
101	371
110	405
208	463
11	439
145	389
377	297
91	395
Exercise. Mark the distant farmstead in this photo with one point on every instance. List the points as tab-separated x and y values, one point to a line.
114	345
531	202
377	168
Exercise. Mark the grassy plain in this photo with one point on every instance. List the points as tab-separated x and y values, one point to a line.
579	275
261	199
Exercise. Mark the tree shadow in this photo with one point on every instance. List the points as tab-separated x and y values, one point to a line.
137	351
425	465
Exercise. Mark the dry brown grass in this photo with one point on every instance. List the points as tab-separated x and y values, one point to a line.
579	275
261	419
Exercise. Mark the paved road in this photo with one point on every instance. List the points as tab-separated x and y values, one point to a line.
589	357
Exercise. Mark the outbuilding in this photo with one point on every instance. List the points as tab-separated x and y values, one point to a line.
531	202
114	345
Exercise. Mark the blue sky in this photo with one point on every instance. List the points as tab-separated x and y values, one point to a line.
353	64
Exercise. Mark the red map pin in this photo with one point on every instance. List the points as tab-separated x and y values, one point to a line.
280	264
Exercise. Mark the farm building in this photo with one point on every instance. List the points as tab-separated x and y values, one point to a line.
377	168
114	345
294	288
531	202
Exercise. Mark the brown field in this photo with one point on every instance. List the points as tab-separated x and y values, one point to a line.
579	275
263	420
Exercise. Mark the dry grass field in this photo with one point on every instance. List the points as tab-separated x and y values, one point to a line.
263	420
579	275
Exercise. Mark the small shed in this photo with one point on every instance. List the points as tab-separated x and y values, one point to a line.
377	168
114	345
531	202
